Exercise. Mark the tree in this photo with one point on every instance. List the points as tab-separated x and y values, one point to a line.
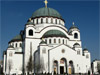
30	65
98	67
9	65
39	66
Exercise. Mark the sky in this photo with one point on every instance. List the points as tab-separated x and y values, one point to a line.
85	14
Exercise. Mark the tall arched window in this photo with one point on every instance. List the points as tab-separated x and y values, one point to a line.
41	20
55	66
49	40
63	41
54	40
30	32
33	21
51	20
56	21
36	21
75	35
20	45
59	40
46	40
59	22
16	44
72	66
46	20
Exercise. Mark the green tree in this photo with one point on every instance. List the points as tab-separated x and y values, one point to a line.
39	66
30	65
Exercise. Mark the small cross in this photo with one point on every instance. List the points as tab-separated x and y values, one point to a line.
46	2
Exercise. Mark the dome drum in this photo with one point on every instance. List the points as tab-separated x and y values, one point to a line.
46	20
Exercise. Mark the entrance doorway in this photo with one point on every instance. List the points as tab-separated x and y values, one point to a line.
61	69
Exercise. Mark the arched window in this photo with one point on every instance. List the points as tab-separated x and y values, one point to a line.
33	21
56	21
41	20
30	32
76	45
59	41
46	20
36	21
46	40
51	20
20	45
16	44
72	66
55	66
59	22
75	35
71	62
63	41
49	40
54	40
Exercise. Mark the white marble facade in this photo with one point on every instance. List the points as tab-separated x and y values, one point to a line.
50	42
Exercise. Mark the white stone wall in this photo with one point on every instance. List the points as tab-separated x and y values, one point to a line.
56	54
31	44
14	60
95	70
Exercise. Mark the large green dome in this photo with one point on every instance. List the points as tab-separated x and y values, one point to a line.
54	33
50	12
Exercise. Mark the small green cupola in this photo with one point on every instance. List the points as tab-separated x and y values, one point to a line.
42	42
16	38
73	26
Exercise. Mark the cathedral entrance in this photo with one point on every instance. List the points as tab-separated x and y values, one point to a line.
61	69
63	66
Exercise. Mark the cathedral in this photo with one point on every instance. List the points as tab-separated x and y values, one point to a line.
45	45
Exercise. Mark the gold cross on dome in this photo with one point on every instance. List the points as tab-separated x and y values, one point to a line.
46	2
73	23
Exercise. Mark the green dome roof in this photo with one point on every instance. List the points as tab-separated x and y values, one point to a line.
85	49
29	23
16	38
10	46
54	33
46	12
42	42
72	27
